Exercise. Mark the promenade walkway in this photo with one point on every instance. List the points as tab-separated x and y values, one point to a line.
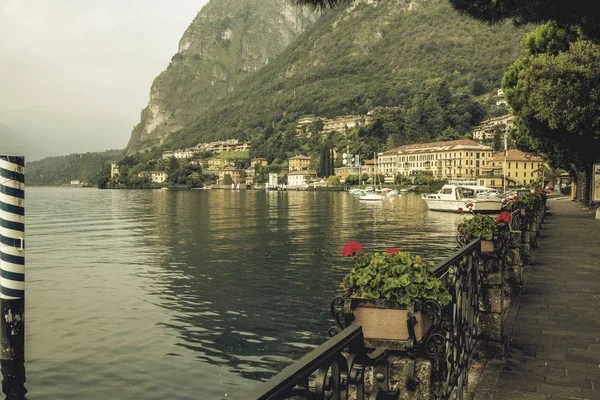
554	341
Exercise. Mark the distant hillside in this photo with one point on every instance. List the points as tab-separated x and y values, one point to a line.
227	40
366	55
56	171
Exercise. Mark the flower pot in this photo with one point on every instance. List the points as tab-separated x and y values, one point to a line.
487	247
385	321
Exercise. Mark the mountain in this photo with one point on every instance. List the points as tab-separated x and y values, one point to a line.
227	40
372	53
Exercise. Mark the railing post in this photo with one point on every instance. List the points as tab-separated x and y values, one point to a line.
12	258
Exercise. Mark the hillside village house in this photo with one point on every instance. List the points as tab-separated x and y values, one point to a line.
299	163
188	153
343	172
300	178
486	130
216	163
235	173
261	162
154	176
114	169
449	159
340	124
521	169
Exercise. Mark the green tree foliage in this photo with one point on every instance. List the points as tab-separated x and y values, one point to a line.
227	180
557	98
90	168
333	181
582	13
400	179
352	179
326	160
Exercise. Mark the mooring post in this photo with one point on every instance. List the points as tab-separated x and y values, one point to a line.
12	259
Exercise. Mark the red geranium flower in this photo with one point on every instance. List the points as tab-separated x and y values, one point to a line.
528	195
469	205
516	198
504	201
351	248
504	217
393	250
459	210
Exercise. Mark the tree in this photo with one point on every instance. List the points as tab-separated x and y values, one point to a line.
227	179
333	181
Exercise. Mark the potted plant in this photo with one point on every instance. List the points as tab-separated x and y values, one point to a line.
386	293
487	228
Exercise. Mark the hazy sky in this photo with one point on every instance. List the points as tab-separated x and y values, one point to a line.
75	74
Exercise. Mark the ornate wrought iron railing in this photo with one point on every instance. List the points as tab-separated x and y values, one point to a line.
336	368
517	220
331	371
451	344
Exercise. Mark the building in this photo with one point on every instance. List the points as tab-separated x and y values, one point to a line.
187	153
369	168
299	163
223	145
487	129
522	169
114	169
154	176
217	163
300	178
462	158
340	124
261	162
343	172
235	173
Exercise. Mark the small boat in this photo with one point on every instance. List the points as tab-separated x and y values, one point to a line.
369	189
451	197
371	197
355	192
389	192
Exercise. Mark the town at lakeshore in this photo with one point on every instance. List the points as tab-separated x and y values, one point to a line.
229	162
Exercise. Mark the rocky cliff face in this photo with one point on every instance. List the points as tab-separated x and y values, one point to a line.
227	40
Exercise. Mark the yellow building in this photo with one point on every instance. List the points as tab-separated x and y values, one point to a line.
215	163
299	163
114	169
445	160
522	169
154	176
261	162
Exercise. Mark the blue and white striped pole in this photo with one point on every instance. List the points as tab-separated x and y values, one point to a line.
12	258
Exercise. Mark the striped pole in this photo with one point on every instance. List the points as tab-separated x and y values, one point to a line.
12	258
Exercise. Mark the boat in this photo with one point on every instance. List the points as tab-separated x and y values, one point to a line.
371	197
389	192
372	194
453	196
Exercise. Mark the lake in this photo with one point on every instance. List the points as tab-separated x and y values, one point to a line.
200	294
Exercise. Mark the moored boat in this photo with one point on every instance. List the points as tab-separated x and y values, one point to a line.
451	197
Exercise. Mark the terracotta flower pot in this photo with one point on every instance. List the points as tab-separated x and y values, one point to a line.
385	320
487	247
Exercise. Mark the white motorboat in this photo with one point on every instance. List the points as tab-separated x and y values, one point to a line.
451	197
371	197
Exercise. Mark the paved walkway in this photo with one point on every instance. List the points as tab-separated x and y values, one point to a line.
554	346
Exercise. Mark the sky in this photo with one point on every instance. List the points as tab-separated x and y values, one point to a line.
75	74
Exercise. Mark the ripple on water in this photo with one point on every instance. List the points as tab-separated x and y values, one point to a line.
164	294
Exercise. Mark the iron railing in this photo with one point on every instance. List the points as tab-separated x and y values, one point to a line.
330	371
451	344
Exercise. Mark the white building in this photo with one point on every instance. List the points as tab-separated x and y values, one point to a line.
300	178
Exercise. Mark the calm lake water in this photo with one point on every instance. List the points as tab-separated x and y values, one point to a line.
193	294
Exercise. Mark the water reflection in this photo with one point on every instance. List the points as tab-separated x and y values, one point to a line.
247	276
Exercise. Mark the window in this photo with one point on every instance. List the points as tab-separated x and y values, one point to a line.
532	174
509	174
517	174
477	155
509	165
524	165
516	165
531	165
